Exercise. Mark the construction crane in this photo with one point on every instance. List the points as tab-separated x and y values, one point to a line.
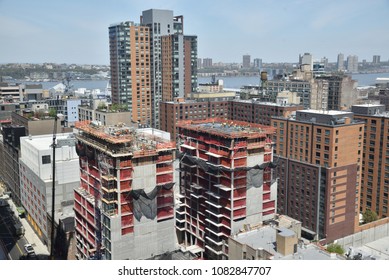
53	145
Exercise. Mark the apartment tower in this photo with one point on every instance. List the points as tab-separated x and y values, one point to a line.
124	206
375	161
149	60
246	61
129	45
179	66
320	155
225	183
340	62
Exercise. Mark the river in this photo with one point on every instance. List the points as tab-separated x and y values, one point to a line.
237	82
229	82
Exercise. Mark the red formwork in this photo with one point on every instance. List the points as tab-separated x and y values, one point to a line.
266	196
269	204
127	220
164	178
127	230
125	174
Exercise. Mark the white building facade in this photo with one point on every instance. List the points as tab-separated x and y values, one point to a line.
36	179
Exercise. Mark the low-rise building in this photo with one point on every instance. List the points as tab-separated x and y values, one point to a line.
274	241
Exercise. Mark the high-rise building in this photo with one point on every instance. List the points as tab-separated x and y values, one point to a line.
225	183
376	59
320	157
124	206
375	161
259	112
130	59
340	62
246	63
161	23
140	55
257	63
207	62
303	88
179	66
342	91
325	62
199	63
352	63
221	107
175	111
306	59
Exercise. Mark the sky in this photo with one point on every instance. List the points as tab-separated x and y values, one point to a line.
76	31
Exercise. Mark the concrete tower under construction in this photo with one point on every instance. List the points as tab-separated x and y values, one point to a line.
124	206
226	183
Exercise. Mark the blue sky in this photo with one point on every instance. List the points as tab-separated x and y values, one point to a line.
76	31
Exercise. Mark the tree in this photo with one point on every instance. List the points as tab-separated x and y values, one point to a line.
102	105
52	112
369	216
335	248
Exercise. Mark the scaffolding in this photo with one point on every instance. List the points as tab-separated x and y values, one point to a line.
215	177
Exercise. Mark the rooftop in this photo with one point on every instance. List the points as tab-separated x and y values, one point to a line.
227	128
255	101
368	105
122	138
324	112
44	142
265	238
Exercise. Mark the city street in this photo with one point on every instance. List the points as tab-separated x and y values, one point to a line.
13	245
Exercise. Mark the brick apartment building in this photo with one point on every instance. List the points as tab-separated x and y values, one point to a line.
375	161
320	156
240	110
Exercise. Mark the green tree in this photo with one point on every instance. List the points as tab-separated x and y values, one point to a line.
369	216
335	248
102	105
52	112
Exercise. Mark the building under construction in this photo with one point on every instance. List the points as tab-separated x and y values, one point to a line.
226	183
124	206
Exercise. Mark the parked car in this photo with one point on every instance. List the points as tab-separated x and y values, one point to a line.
29	249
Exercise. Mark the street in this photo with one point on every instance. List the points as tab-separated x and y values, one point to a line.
13	244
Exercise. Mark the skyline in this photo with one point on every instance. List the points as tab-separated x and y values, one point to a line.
77	32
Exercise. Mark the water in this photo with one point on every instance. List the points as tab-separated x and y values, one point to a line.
229	82
369	79
238	82
88	84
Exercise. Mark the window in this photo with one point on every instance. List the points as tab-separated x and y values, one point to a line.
46	159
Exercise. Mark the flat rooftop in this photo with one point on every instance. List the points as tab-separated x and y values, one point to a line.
122	138
228	128
254	101
375	250
324	112
368	105
44	142
265	238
